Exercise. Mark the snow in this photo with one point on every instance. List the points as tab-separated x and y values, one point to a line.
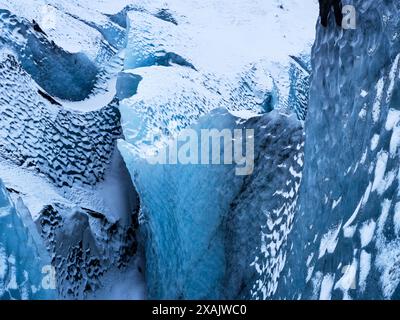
388	253
240	27
374	142
376	108
393	123
385	261
37	191
347	281
365	267
120	284
326	287
382	182
329	241
363	113
393	77
70	34
347	228
383	216
336	203
95	101
367	232
244	114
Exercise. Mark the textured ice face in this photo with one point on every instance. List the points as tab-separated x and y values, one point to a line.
345	242
24	263
183	207
68	147
51	66
209	233
58	154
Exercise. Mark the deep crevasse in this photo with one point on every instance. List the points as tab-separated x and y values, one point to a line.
206	232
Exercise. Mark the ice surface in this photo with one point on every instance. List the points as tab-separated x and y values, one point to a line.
332	231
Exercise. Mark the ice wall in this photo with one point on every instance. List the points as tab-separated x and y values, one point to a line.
346	241
209	233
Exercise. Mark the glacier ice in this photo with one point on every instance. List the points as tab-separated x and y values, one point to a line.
67	146
24	261
351	164
50	66
78	76
74	175
335	235
57	139
195	219
192	78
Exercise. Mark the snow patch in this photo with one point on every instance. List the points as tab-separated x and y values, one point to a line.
347	281
374	142
326	287
329	241
367	232
365	267
376	109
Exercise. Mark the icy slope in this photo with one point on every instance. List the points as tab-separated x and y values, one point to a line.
346	242
223	36
76	26
24	262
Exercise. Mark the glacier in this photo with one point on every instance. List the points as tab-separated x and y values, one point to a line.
329	232
91	91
